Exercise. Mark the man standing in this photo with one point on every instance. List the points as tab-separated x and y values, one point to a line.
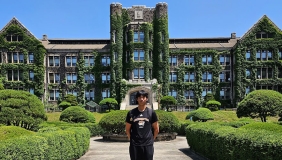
139	124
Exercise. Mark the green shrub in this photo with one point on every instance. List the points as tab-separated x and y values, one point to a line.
201	114
272	127
213	105
95	129
21	108
167	101
168	122
183	126
7	132
77	114
114	122
64	105
110	102
260	103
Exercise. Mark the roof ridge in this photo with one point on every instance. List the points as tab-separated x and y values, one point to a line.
16	21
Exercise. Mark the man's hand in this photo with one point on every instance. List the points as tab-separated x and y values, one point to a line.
127	130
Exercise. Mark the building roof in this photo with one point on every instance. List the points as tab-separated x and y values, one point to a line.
203	43
14	20
254	26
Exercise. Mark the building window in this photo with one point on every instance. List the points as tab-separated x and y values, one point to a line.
248	73
205	91
54	61
73	92
264	73
89	95
89	78
31	75
14	38
189	94
54	94
224	76
139	55
260	35
31	90
106	93
173	60
248	55
15	75
207	77
30	58
172	77
88	61
224	60
172	93
161	56
206	59
189	77
225	93
280	55
106	61
15	57
258	87
263	55
248	90
138	73
71	77
189	60
116	56
54	77
106	77
138	36
71	61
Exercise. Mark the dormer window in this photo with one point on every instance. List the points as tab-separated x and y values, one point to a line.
14	38
260	35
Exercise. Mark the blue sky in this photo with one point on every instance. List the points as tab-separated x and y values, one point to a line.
187	18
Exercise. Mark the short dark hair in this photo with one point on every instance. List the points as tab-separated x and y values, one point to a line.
141	93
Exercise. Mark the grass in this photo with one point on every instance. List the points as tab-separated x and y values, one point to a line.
219	116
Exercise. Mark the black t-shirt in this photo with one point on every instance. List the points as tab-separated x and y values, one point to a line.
141	126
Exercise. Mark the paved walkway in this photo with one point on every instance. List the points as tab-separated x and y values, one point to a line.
164	150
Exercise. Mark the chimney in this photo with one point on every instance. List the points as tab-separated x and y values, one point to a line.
44	37
233	35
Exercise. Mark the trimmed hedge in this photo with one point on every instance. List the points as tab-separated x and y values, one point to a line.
54	144
77	114
7	132
201	114
168	122
114	122
95	129
218	142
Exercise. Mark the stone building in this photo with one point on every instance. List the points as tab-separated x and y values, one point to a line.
139	54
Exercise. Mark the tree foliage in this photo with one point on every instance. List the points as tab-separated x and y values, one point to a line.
201	115
21	108
213	105
77	114
260	103
208	97
110	102
167	101
64	105
71	99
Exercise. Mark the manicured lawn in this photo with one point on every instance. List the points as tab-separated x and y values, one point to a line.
219	116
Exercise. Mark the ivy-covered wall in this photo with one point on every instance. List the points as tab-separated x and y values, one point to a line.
253	44
28	44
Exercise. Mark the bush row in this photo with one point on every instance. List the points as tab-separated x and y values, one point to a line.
95	129
219	142
47	144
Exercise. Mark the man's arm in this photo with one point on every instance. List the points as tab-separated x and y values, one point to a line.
127	130
156	129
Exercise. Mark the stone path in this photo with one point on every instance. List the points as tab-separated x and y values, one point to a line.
164	150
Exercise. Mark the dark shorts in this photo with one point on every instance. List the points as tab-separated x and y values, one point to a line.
141	152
